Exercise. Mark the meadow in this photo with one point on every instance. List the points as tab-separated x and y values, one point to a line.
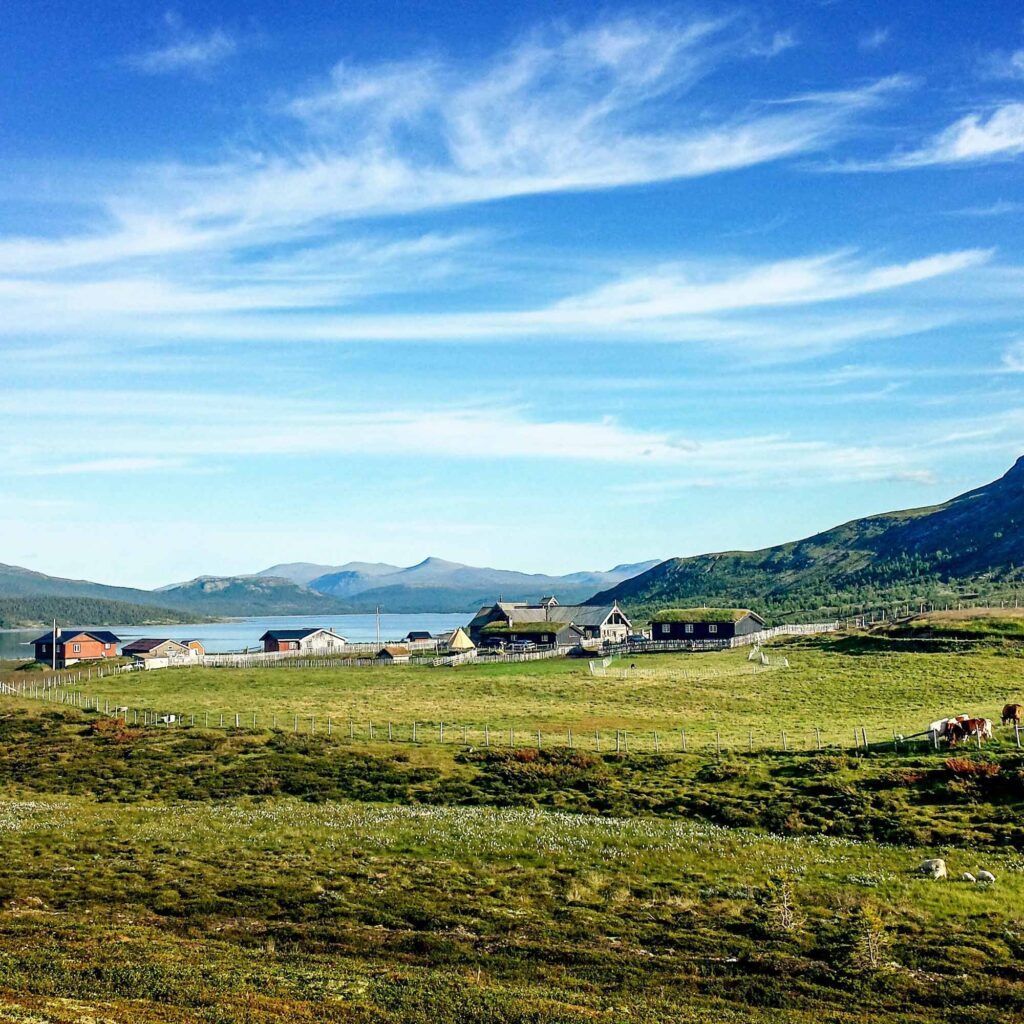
880	684
190	874
279	908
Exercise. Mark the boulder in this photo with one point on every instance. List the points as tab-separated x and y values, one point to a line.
934	868
986	876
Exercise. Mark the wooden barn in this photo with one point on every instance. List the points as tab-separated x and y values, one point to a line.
704	623
67	646
394	654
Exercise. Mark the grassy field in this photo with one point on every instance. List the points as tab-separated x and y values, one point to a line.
395	899
224	876
834	685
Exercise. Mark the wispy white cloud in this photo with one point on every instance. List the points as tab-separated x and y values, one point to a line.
186	50
975	138
1000	208
182	427
600	108
107	465
678	302
1013	356
1004	65
875	39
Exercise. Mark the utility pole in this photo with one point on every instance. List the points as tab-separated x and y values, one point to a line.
378	625
53	647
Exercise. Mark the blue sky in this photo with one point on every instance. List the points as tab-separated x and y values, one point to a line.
546	292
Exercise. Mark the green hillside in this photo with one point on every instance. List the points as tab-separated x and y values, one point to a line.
24	612
969	545
18	582
247	595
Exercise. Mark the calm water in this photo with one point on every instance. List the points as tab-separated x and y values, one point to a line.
237	635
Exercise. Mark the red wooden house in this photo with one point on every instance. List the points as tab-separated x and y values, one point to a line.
64	646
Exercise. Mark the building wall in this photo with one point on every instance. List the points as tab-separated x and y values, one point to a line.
318	644
700	631
89	650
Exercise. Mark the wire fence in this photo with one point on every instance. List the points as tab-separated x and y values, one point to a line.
702	739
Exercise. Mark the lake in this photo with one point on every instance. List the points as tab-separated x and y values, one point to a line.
238	634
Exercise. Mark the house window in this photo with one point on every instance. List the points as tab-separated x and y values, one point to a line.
666	627
713	628
689	627
76	648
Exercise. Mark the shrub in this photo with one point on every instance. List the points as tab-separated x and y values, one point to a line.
965	767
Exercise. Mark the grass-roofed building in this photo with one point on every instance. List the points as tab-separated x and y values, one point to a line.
704	623
549	622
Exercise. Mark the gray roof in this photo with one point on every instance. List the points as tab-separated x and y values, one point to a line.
297	634
148	644
66	633
580	614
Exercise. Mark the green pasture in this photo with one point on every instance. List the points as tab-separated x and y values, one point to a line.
246	911
835	686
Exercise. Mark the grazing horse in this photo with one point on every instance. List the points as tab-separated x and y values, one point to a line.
1012	714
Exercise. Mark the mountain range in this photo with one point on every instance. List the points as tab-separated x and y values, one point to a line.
969	546
433	585
438	585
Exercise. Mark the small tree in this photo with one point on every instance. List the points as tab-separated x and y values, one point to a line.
780	912
869	940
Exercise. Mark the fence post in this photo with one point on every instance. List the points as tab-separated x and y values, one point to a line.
390	734
718	744
817	736
369	729
414	732
750	741
465	731
295	723
487	735
441	731
330	726
657	746
617	741
511	737
682	740
538	739
1016	735
597	740
236	719
785	745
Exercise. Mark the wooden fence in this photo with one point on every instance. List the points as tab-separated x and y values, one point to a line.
706	740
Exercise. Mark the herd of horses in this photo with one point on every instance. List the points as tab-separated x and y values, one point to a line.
956	730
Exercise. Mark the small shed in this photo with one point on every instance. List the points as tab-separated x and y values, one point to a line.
393	654
418	636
